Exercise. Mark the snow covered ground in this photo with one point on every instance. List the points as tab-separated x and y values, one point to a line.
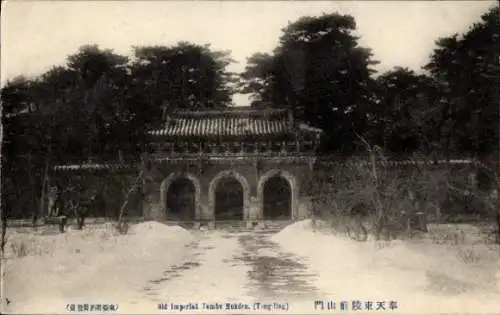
421	277
89	266
155	263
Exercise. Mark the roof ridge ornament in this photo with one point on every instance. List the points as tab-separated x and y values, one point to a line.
231	111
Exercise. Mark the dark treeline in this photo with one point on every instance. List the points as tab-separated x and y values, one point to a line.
321	72
101	103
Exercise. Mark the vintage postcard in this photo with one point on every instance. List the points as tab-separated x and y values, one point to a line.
250	157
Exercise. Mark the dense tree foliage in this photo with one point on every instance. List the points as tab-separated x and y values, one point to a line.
182	76
319	71
404	112
468	67
99	104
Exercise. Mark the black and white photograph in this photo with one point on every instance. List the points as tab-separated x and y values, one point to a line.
250	157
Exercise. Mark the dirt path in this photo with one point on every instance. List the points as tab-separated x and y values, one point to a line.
239	267
275	274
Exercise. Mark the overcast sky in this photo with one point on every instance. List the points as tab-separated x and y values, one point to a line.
39	34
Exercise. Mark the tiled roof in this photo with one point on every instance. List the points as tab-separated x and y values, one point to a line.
227	123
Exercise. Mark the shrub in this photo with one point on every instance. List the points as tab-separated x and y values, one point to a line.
469	256
19	250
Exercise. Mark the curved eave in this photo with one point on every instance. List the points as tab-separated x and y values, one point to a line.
306	130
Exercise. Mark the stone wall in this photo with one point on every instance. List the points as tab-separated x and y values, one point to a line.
310	185
110	187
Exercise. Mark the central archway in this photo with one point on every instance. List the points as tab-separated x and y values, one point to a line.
229	200
277	201
181	199
228	195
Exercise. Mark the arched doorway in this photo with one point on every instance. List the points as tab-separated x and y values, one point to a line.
277	196
181	200
229	199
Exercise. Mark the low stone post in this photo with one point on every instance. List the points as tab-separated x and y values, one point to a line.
62	223
52	194
211	225
196	225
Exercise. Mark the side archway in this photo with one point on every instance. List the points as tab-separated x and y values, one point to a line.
292	186
167	183
213	187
